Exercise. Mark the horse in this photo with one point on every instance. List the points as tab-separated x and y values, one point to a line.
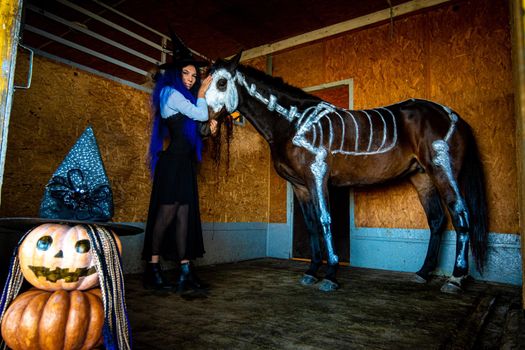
315	144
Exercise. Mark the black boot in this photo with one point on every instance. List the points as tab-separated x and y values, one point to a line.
197	282
188	280
154	278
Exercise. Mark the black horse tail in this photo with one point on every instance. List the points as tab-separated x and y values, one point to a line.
472	181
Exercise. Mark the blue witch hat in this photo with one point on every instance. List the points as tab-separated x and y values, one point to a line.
79	192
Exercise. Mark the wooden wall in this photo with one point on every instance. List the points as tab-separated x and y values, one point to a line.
48	118
458	55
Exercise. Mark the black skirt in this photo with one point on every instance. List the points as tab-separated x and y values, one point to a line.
175	181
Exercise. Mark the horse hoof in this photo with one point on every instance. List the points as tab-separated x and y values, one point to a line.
454	285
308	280
418	279
328	286
451	288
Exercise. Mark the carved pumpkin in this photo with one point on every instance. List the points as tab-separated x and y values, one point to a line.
39	319
58	256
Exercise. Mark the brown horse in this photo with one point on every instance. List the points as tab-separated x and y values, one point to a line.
315	144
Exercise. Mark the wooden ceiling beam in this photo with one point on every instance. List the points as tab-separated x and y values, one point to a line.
376	17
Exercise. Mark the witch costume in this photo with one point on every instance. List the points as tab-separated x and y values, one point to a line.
173	229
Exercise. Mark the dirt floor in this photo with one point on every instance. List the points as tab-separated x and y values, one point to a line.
260	304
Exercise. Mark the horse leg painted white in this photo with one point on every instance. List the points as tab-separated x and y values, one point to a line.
448	187
319	194
317	183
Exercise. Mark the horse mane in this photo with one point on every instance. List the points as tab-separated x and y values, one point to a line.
268	82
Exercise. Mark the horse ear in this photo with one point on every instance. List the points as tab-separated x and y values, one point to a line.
234	62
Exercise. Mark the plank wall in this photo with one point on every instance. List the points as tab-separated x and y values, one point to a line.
457	55
48	118
46	121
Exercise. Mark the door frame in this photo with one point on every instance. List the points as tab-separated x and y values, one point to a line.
517	8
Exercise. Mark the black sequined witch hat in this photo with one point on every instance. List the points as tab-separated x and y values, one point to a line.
182	56
78	192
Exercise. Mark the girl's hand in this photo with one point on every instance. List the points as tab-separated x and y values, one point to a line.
213	126
204	87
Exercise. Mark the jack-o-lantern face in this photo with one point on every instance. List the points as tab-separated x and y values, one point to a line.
59	256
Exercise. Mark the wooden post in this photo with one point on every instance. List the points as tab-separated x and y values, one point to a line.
518	45
10	16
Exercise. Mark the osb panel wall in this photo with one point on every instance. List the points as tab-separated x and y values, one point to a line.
47	119
457	55
240	193
482	92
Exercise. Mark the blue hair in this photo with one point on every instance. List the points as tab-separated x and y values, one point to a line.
159	131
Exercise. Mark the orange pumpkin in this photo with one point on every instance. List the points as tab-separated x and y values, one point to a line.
58	256
39	319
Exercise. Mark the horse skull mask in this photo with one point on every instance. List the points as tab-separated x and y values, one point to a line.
222	91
